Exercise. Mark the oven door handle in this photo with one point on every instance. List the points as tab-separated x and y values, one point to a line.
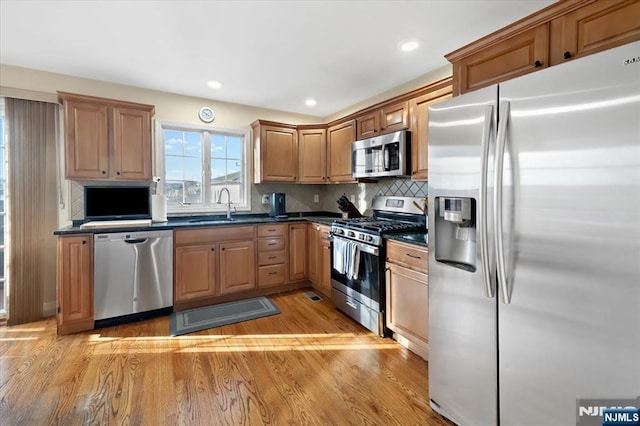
365	248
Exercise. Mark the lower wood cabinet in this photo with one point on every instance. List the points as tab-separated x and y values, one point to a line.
298	252
319	257
237	271
75	283
211	262
407	292
272	255
196	272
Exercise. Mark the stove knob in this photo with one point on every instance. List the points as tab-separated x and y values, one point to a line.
351	234
369	238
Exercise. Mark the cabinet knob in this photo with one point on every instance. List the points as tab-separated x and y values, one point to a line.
104	172
213	249
566	55
118	173
537	64
84	242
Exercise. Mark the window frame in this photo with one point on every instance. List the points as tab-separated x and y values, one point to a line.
209	205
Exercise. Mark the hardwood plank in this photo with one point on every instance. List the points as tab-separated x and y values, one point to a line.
308	365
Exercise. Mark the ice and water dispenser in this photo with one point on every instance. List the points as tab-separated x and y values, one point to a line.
455	232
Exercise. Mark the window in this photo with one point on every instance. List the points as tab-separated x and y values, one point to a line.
199	163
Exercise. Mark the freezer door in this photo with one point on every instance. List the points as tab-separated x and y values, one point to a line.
462	318
572	238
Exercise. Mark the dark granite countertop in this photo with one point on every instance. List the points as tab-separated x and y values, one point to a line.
206	221
416	238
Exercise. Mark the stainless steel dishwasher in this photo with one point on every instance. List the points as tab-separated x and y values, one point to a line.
133	273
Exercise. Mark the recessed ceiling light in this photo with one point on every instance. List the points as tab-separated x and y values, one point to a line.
409	45
214	84
311	102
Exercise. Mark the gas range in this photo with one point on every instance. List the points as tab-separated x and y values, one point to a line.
390	215
371	229
358	257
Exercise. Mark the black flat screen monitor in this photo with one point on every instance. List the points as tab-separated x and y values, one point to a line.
117	202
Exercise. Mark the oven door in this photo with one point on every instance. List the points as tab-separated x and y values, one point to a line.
365	286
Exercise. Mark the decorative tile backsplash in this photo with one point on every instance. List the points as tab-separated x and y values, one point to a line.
364	192
300	197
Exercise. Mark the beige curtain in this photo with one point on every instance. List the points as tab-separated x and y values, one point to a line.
32	210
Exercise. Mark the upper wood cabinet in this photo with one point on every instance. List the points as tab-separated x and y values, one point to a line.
512	57
559	32
275	152
312	155
419	111
339	140
106	139
75	283
385	119
597	26
394	117
368	125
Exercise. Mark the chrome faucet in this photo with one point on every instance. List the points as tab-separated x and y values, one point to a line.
228	201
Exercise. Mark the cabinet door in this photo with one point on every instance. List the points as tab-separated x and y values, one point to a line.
86	140
131	144
325	273
515	56
339	140
195	272
278	154
237	266
408	304
419	108
75	283
368	125
313	249
298	252
312	157
394	117
595	27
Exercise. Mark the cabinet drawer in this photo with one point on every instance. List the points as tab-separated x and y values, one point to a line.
209	235
279	230
270	244
271	258
271	275
407	255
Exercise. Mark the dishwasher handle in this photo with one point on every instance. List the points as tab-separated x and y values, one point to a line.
136	241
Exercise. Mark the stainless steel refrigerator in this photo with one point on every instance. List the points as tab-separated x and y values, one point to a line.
534	246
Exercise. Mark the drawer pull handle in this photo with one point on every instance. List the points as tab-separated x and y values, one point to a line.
271	244
413	257
271	230
271	257
272	273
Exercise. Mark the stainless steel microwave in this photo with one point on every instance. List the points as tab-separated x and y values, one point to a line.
381	156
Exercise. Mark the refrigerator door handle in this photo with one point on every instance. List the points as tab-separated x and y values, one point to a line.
497	202
482	200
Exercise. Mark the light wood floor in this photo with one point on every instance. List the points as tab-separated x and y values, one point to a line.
308	365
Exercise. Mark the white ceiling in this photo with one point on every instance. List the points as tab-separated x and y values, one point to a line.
270	54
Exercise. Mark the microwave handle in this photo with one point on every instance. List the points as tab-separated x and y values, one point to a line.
386	158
